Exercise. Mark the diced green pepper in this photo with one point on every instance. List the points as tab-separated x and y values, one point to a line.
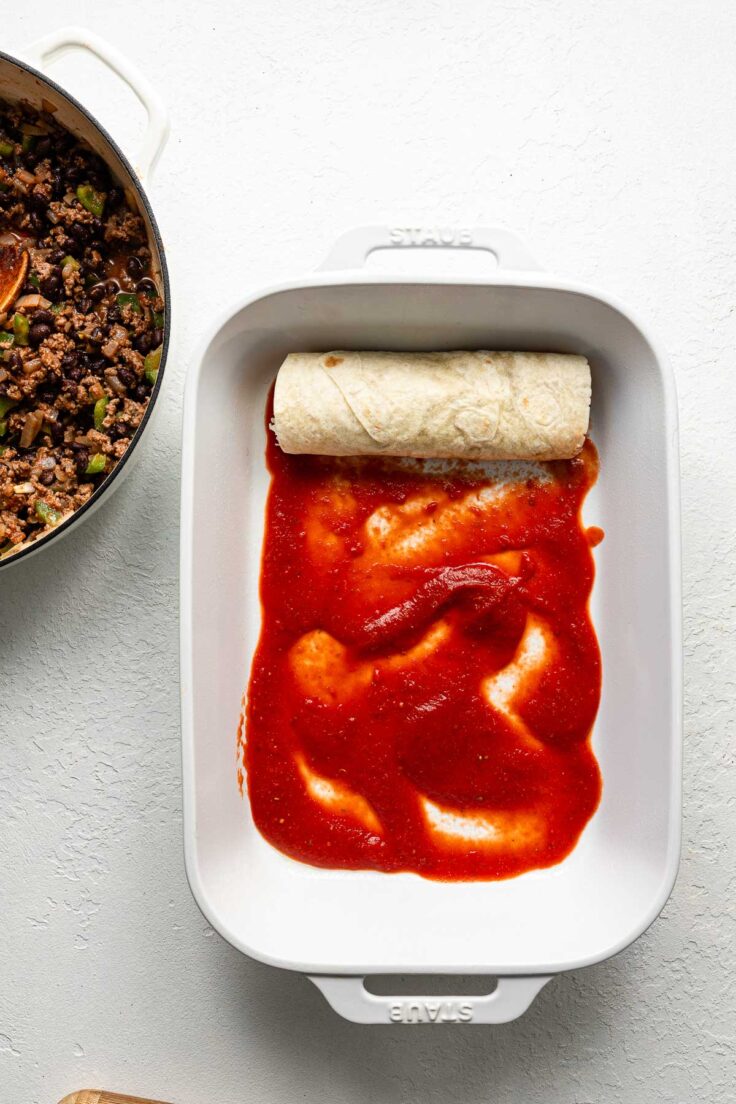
150	291
151	365
56	308
100	410
21	326
129	299
92	201
3	428
96	464
158	319
34	281
28	142
6	339
7	148
70	264
6	404
47	514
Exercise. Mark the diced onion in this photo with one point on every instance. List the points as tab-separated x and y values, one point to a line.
32	301
114	382
31	426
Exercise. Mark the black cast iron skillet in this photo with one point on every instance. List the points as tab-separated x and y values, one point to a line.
24	80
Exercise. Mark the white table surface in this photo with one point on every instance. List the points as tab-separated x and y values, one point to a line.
604	134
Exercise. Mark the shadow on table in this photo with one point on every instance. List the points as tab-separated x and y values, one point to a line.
570	1021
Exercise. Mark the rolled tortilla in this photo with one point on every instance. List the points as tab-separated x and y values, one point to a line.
474	405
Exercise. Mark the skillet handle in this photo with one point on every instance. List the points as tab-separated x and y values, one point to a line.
59	42
349	997
352	249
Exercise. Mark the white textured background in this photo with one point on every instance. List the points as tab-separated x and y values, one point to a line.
604	133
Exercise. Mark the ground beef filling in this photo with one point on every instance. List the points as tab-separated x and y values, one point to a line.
81	324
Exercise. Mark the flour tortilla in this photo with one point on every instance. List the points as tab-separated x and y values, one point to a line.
471	405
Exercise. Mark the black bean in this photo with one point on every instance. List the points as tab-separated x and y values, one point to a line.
114	198
143	343
126	376
51	285
97	292
112	287
83	304
57	432
81	460
140	392
75	373
115	431
80	232
72	175
38	332
47	478
113	314
134	267
44	316
43	147
157	337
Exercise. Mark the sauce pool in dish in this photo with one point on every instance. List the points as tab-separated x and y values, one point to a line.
427	676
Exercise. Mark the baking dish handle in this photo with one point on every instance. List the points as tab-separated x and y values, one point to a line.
59	42
349	997
352	249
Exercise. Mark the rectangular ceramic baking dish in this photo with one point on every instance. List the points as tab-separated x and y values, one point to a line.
342	925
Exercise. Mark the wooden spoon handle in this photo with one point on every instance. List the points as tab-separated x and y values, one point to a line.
99	1096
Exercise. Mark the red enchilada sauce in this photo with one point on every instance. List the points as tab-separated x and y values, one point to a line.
427	676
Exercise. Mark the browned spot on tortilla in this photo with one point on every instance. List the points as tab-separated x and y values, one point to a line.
333	361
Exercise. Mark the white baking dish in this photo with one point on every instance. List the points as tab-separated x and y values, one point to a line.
341	925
